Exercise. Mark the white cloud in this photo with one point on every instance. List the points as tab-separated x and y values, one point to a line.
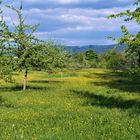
67	1
65	23
61	1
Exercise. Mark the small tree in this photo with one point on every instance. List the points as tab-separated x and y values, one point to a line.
22	43
58	59
91	55
91	58
80	60
112	60
50	57
131	40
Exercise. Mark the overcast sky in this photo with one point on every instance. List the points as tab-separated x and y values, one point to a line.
74	22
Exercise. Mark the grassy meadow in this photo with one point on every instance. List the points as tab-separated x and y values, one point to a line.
91	104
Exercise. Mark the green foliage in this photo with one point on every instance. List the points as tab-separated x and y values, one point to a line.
19	44
61	58
50	57
86	59
131	40
92	58
112	60
90	55
80	60
6	67
130	15
22	41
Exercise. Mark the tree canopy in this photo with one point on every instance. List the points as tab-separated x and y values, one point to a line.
131	40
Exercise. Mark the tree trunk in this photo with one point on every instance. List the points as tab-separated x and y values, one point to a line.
25	80
139	60
61	74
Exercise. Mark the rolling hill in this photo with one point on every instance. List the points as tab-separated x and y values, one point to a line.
96	48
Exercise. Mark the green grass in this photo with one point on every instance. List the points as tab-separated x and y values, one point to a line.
89	104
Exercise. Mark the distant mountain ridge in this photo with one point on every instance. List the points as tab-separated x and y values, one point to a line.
96	48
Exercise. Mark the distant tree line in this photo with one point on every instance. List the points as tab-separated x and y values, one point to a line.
109	60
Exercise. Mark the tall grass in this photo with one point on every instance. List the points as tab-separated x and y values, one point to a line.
82	105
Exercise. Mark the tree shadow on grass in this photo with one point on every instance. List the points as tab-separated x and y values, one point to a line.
109	102
20	88
119	81
46	81
32	85
123	85
107	75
